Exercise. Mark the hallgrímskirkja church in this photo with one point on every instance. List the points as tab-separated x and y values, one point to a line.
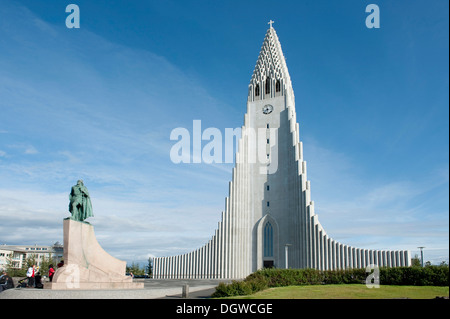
269	218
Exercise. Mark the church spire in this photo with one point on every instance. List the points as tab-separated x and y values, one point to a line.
270	77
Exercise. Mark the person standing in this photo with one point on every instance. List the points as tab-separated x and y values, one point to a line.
51	272
30	274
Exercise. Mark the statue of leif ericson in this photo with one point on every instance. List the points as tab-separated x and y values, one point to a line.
80	205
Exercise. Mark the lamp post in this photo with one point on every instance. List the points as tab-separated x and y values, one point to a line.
286	253
421	254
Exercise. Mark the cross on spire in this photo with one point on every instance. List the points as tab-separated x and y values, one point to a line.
270	23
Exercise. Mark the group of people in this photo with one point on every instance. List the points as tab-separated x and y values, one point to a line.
33	278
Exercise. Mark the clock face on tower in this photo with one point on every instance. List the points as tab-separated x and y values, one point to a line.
267	109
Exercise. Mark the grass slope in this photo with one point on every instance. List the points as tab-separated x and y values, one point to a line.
349	291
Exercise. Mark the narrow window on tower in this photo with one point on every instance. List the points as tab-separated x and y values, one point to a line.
268	86
268	204
268	188
257	90
278	86
268	240
267	125
267	141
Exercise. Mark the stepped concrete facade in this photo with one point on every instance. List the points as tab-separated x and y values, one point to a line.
269	218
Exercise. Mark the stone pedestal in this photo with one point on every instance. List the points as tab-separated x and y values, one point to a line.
86	264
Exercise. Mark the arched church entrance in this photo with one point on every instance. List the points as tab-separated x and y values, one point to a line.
267	242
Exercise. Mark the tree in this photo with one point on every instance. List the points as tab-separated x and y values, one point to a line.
150	267
11	267
45	264
31	260
135	269
415	261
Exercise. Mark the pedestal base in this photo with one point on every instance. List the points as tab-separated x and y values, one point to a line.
95	285
86	264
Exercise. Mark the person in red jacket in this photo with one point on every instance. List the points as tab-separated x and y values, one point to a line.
51	272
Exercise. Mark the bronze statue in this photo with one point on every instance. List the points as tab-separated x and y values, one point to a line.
80	205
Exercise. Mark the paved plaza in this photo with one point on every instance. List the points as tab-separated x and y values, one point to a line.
153	289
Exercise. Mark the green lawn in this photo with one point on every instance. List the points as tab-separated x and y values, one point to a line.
354	291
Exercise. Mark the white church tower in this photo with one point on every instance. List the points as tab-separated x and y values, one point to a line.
269	218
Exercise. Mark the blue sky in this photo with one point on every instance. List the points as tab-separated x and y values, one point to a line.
99	103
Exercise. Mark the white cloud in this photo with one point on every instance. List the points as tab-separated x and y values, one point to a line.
125	229
101	112
31	150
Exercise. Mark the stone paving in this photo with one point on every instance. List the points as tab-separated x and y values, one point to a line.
153	289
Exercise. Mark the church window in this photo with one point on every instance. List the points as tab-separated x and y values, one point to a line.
268	240
268	188
267	85
257	90
278	86
267	125
268	204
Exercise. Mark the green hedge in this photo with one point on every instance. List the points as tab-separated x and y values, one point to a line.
415	276
272	277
